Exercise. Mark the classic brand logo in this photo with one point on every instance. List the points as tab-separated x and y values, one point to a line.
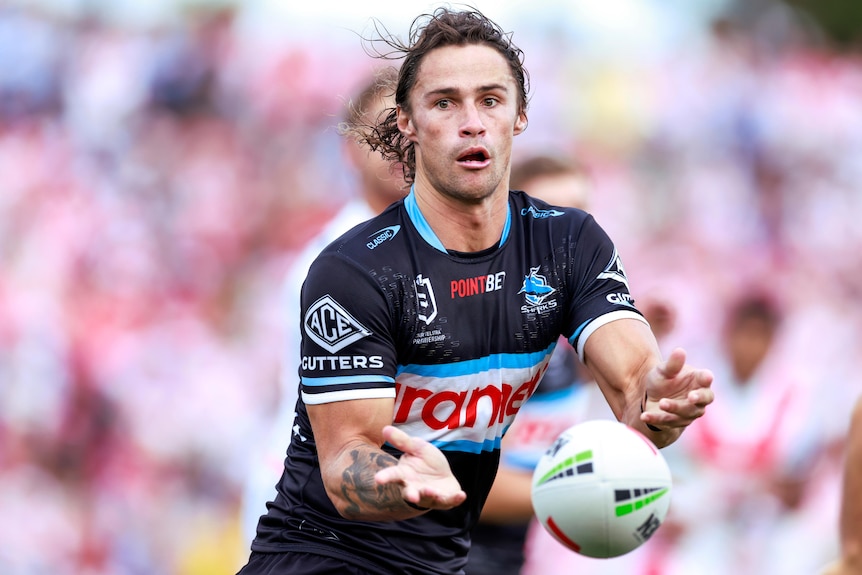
381	236
331	326
426	300
535	288
538	214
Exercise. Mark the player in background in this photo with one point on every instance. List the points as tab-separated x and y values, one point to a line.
426	328
563	398
850	524
377	184
567	395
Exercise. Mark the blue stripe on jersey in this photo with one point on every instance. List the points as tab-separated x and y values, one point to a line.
578	331
346	379
425	230
480	365
420	222
468	446
507	227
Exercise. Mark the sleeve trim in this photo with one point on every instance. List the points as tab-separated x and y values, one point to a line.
347	394
599	322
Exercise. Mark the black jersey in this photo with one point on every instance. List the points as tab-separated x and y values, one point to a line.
460	341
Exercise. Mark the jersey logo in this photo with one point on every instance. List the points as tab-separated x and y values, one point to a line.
425	297
477	285
539	214
479	407
331	326
615	270
535	288
381	236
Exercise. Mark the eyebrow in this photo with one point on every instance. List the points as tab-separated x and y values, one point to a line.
449	91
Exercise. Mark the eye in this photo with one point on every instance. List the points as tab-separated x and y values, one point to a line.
490	102
443	104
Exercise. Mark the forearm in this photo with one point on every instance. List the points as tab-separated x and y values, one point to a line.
509	500
659	397
350	484
620	360
851	504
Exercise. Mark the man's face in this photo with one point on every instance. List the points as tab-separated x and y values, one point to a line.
464	112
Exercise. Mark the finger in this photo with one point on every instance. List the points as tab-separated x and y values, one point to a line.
705	378
435	498
674	364
393	474
701	397
683	409
398	439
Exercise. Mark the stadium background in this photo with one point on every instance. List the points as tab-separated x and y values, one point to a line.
161	163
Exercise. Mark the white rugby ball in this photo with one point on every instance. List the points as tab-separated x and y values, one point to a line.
602	489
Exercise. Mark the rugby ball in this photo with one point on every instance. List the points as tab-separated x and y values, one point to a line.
602	489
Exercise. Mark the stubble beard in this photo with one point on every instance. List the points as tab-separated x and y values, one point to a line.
473	188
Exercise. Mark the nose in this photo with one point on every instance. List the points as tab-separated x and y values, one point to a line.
471	122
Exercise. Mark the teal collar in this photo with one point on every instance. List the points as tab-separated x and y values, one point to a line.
428	234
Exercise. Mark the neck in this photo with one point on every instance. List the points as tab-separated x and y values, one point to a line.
464	226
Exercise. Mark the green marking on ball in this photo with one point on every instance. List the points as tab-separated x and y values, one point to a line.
639	503
575	461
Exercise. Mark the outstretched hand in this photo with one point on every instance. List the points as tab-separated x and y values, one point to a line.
423	472
676	393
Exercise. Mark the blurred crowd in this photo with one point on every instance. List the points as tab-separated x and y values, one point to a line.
156	183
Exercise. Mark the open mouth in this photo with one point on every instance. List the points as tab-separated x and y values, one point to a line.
475	156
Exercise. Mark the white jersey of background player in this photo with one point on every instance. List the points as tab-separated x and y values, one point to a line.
378	185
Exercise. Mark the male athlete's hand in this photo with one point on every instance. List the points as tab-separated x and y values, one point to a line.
676	393
422	471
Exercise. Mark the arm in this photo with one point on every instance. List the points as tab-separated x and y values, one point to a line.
641	388
509	500
349	436
850	524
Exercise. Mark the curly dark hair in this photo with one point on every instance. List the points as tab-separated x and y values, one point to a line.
443	27
380	86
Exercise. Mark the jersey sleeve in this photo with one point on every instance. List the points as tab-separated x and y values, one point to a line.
600	286
347	348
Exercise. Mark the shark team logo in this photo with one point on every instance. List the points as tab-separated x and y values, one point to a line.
615	270
426	300
536	290
331	326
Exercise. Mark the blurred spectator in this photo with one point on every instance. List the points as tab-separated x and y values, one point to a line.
157	180
31	62
760	461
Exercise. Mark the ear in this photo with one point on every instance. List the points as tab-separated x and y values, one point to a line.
520	122
405	124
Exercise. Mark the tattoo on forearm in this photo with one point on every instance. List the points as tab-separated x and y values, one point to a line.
359	489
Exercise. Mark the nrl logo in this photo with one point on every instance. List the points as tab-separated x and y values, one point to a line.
426	300
535	288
